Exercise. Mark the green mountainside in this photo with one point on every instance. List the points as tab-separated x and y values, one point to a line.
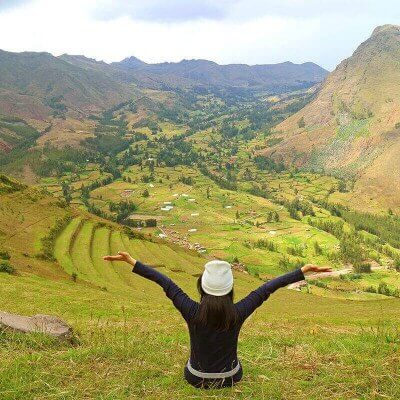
351	128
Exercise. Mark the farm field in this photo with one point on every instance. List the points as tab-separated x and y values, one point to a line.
239	226
224	222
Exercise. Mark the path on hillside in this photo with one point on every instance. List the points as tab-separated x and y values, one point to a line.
25	227
321	275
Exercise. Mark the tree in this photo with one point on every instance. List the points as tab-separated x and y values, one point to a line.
146	193
342	186
350	249
67	193
317	249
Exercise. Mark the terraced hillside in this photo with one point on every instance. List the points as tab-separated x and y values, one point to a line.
82	244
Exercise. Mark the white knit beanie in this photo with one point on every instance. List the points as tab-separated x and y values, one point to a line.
217	278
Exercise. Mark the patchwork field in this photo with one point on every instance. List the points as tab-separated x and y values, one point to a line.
225	223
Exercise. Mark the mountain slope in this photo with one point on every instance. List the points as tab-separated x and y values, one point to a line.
36	85
350	127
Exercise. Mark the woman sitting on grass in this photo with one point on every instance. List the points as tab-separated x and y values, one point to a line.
214	323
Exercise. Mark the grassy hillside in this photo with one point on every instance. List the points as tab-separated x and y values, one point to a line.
132	343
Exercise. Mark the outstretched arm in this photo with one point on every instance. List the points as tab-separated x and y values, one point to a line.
180	299
254	300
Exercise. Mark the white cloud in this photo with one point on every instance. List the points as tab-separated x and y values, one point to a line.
4	4
248	34
163	11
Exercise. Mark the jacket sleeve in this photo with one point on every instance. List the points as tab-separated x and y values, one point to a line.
180	299
254	300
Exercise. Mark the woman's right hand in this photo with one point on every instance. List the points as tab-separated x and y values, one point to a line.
121	256
315	268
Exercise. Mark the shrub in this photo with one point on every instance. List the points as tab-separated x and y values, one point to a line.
396	263
383	289
266	244
318	283
370	289
74	276
186	180
5	255
49	240
151	222
287	265
317	249
350	277
296	250
6	267
362	268
350	249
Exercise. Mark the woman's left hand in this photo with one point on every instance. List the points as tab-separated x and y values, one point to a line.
121	256
315	268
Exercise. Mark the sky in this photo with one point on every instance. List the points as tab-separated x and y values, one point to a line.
224	31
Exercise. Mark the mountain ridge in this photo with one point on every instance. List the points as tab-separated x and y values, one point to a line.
209	73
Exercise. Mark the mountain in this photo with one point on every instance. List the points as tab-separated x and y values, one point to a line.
352	127
36	85
208	73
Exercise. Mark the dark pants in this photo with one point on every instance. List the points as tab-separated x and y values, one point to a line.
204	383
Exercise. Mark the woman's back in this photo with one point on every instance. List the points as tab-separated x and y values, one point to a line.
212	350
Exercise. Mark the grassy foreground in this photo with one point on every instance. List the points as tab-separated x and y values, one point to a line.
133	344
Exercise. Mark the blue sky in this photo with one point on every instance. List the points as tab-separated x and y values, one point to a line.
225	31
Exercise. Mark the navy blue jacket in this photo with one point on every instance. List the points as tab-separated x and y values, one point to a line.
210	350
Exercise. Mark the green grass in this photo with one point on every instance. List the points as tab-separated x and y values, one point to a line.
134	344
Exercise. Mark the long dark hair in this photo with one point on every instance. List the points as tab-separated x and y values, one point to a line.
217	312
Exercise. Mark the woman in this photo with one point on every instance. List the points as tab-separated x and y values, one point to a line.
214	323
